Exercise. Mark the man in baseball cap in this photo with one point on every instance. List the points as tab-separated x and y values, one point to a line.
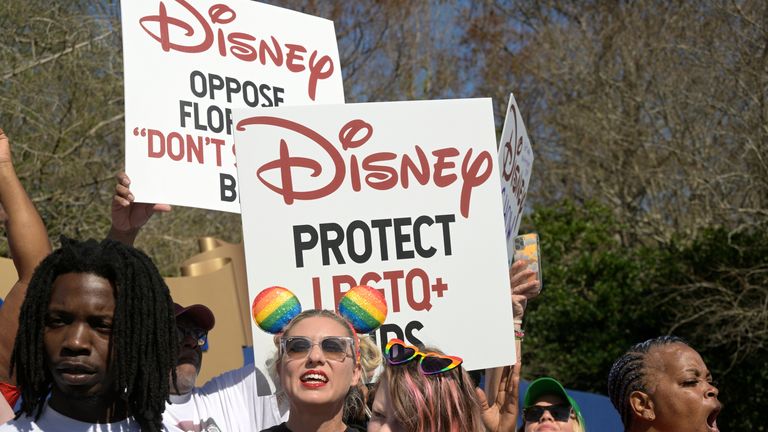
192	324
233	401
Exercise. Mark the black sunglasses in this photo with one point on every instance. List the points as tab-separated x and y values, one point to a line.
560	413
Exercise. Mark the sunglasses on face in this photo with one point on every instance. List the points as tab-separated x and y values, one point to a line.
560	413
200	335
398	352
335	348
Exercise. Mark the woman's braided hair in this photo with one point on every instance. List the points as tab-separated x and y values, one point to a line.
628	374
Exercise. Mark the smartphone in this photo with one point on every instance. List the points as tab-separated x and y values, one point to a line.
527	248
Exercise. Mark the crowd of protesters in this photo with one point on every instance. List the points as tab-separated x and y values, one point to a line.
92	341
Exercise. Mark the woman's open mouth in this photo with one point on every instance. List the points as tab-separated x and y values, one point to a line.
313	379
712	420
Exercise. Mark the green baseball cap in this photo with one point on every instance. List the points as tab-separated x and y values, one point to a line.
549	386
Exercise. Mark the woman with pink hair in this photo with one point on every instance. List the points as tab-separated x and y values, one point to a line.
424	390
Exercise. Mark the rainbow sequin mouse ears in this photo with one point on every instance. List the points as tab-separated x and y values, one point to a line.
274	308
364	307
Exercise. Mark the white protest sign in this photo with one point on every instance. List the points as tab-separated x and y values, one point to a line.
188	64
401	196
515	163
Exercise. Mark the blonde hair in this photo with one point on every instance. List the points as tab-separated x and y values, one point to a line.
370	357
370	361
273	361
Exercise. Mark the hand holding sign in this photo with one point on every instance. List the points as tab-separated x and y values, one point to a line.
128	216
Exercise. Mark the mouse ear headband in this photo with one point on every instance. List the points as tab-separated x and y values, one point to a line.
362	306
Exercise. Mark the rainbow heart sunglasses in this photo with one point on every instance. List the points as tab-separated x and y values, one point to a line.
398	352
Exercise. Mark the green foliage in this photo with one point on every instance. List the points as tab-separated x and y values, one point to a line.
595	300
718	299
600	297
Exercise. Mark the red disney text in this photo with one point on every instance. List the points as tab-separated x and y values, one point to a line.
197	33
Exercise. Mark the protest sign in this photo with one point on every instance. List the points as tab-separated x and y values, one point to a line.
401	196
188	64
515	163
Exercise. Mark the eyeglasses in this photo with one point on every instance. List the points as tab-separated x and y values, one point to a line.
334	348
200	335
397	352
560	413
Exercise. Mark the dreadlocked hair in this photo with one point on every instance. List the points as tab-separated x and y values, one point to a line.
628	374
143	340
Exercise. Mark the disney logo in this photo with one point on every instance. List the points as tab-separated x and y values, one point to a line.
377	171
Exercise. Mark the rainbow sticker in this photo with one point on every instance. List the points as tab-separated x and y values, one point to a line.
364	307
274	308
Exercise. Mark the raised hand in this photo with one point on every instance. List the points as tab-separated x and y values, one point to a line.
5	149
128	216
501	416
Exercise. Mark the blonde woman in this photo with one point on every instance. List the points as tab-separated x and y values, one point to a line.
318	368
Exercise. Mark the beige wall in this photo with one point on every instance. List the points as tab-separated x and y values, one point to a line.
215	278
8	276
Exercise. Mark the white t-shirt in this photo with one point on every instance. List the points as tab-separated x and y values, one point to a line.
53	421
238	400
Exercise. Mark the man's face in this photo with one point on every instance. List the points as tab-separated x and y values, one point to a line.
190	356
78	329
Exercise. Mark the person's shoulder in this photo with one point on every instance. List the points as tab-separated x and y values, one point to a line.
247	378
23	423
9	426
53	421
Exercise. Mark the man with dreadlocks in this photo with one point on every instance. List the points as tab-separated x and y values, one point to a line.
87	351
96	341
